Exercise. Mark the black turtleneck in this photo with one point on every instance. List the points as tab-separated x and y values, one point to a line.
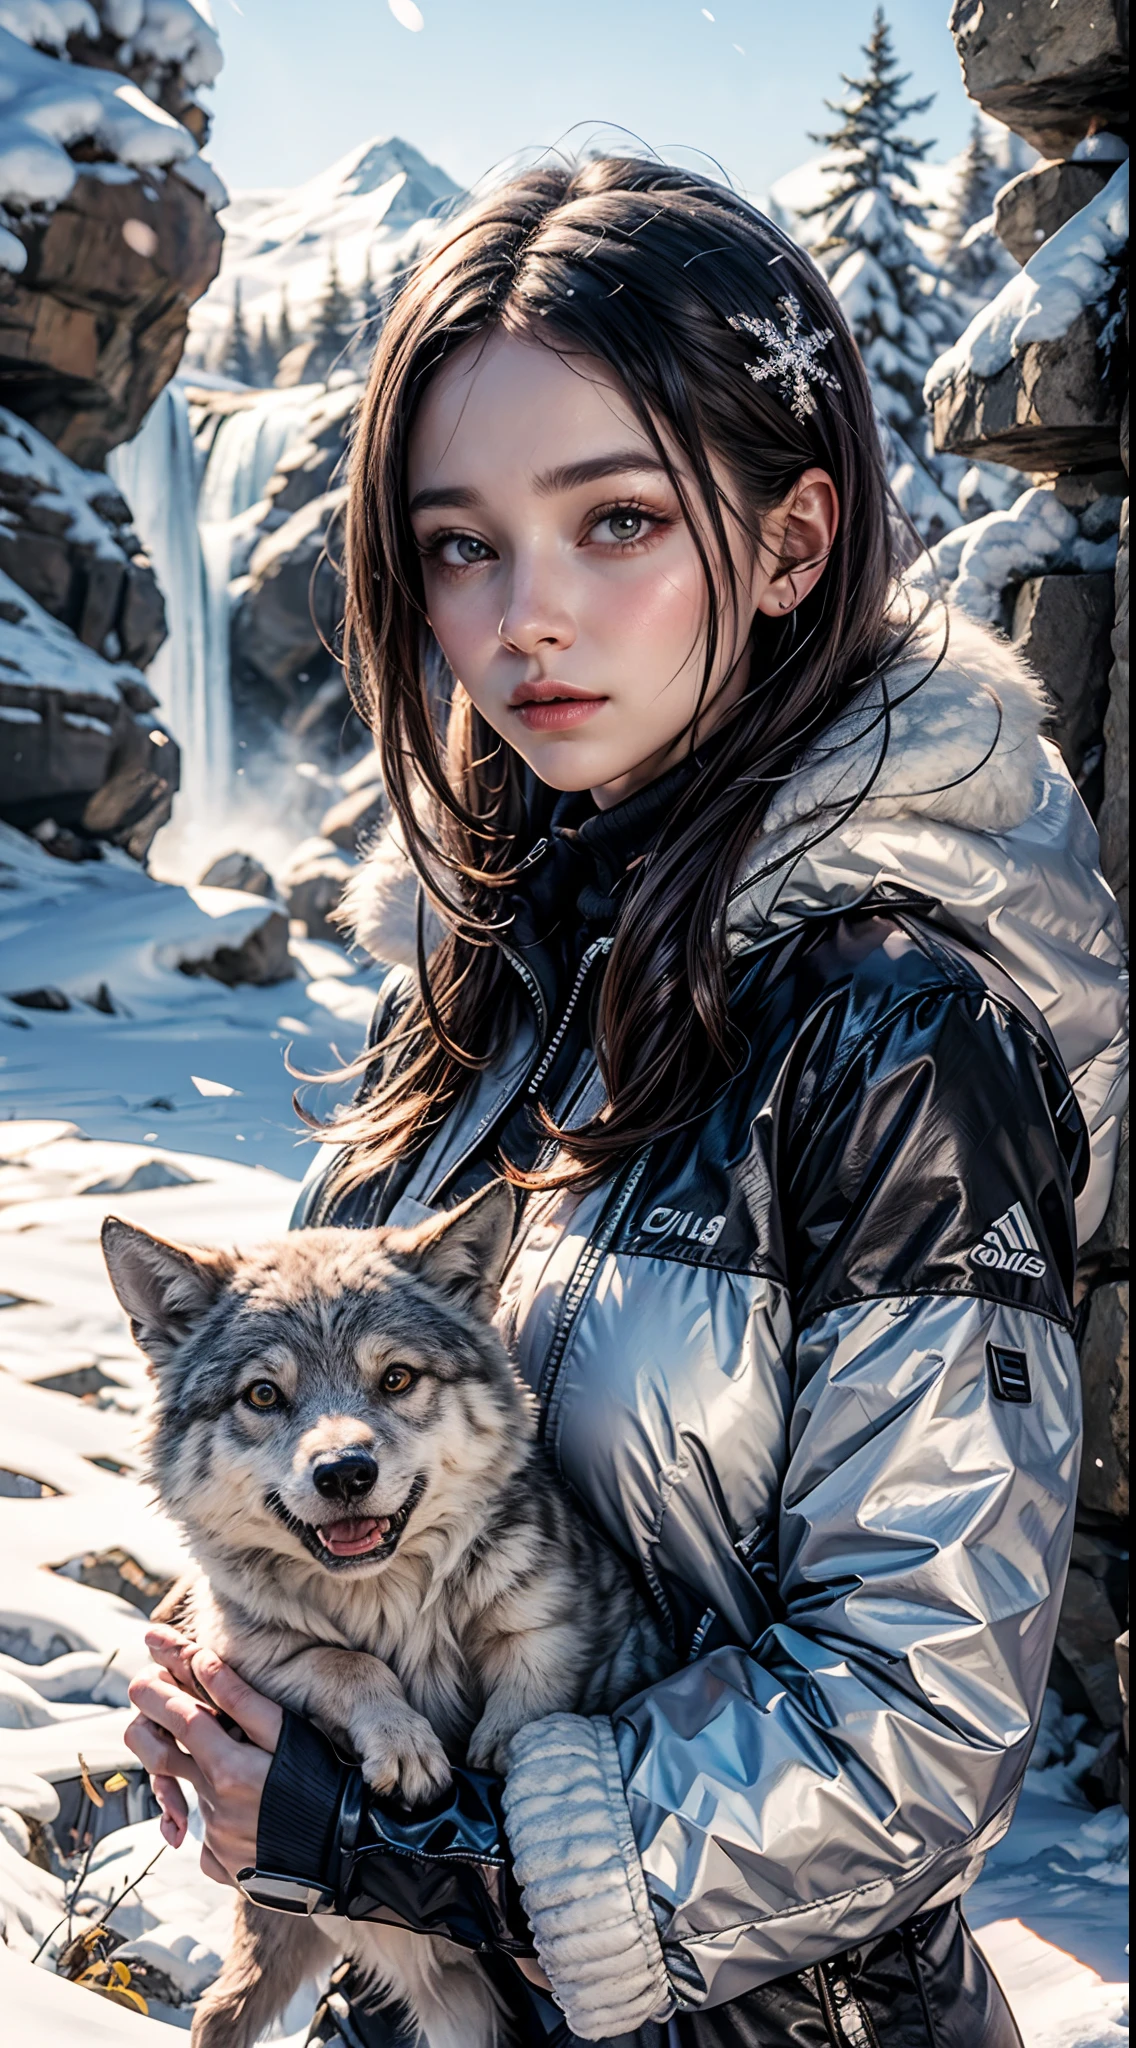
570	897
575	892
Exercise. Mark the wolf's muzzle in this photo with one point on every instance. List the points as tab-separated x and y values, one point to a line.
385	1530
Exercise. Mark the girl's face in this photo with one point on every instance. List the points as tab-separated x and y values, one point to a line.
561	580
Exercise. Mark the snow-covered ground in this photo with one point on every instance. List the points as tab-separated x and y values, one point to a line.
175	1112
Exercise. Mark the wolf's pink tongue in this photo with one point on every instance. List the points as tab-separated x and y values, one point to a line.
353	1539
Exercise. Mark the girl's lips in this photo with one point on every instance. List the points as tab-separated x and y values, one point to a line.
550	714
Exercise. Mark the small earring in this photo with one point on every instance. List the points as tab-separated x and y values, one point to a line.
786	604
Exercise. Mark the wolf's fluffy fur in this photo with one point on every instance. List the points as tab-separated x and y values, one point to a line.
498	1604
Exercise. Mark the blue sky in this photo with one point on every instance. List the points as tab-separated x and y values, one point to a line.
306	79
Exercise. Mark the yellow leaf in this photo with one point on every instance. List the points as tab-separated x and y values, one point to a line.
117	1782
89	1786
133	1999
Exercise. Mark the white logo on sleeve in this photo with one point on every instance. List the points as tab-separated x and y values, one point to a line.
1009	1246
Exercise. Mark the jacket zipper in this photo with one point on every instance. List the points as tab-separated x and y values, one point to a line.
576	1291
535	853
847	2021
498	1109
544	1061
590	953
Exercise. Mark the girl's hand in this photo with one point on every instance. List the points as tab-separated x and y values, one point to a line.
178	1735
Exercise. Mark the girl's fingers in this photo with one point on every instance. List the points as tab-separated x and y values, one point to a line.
260	1718
192	1725
173	1651
170	1798
200	1672
158	1755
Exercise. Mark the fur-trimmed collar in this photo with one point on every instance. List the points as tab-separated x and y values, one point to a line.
951	737
959	742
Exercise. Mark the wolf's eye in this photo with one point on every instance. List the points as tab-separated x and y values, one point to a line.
262	1395
396	1379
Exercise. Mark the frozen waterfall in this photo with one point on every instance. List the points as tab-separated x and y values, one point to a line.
157	474
185	513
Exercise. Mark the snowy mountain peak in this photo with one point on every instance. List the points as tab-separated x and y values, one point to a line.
365	209
375	163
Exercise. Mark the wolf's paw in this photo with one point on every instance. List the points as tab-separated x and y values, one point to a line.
489	1744
409	1760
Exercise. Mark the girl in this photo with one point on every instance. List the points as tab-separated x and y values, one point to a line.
765	939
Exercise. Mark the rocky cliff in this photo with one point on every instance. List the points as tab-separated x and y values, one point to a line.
108	234
1039	382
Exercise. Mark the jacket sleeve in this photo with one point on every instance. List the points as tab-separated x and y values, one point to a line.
768	1806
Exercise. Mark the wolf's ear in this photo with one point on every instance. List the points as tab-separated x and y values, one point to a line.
464	1249
164	1288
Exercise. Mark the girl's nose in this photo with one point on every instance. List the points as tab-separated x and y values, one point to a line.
535	619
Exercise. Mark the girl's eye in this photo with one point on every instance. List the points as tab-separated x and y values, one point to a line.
396	1379
262	1395
458	550
625	524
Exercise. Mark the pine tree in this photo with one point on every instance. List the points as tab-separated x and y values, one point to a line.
266	361
237	360
887	285
369	310
334	325
971	255
370	296
285	338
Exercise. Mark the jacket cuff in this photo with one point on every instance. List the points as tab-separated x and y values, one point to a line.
581	1879
298	1827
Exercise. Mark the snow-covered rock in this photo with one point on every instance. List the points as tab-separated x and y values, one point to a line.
1042	570
1038	534
1071	273
82	747
1046	70
48	105
182	1056
1035	205
1031	380
66	538
313	885
106	206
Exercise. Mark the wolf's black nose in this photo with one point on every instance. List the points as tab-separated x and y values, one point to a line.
345	1475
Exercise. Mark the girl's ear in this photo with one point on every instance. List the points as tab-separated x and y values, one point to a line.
164	1288
800	533
464	1250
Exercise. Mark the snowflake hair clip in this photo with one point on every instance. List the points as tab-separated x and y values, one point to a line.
791	355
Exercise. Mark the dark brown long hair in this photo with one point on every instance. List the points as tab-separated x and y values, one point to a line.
641	266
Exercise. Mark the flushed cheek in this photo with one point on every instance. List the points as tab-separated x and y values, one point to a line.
465	623
648	623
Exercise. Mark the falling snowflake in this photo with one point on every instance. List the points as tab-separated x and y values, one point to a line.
791	358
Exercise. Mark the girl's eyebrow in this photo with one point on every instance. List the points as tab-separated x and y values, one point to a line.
567	477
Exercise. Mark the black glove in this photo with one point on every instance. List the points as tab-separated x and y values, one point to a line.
327	1844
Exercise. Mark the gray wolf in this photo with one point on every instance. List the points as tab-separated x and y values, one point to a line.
380	1546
